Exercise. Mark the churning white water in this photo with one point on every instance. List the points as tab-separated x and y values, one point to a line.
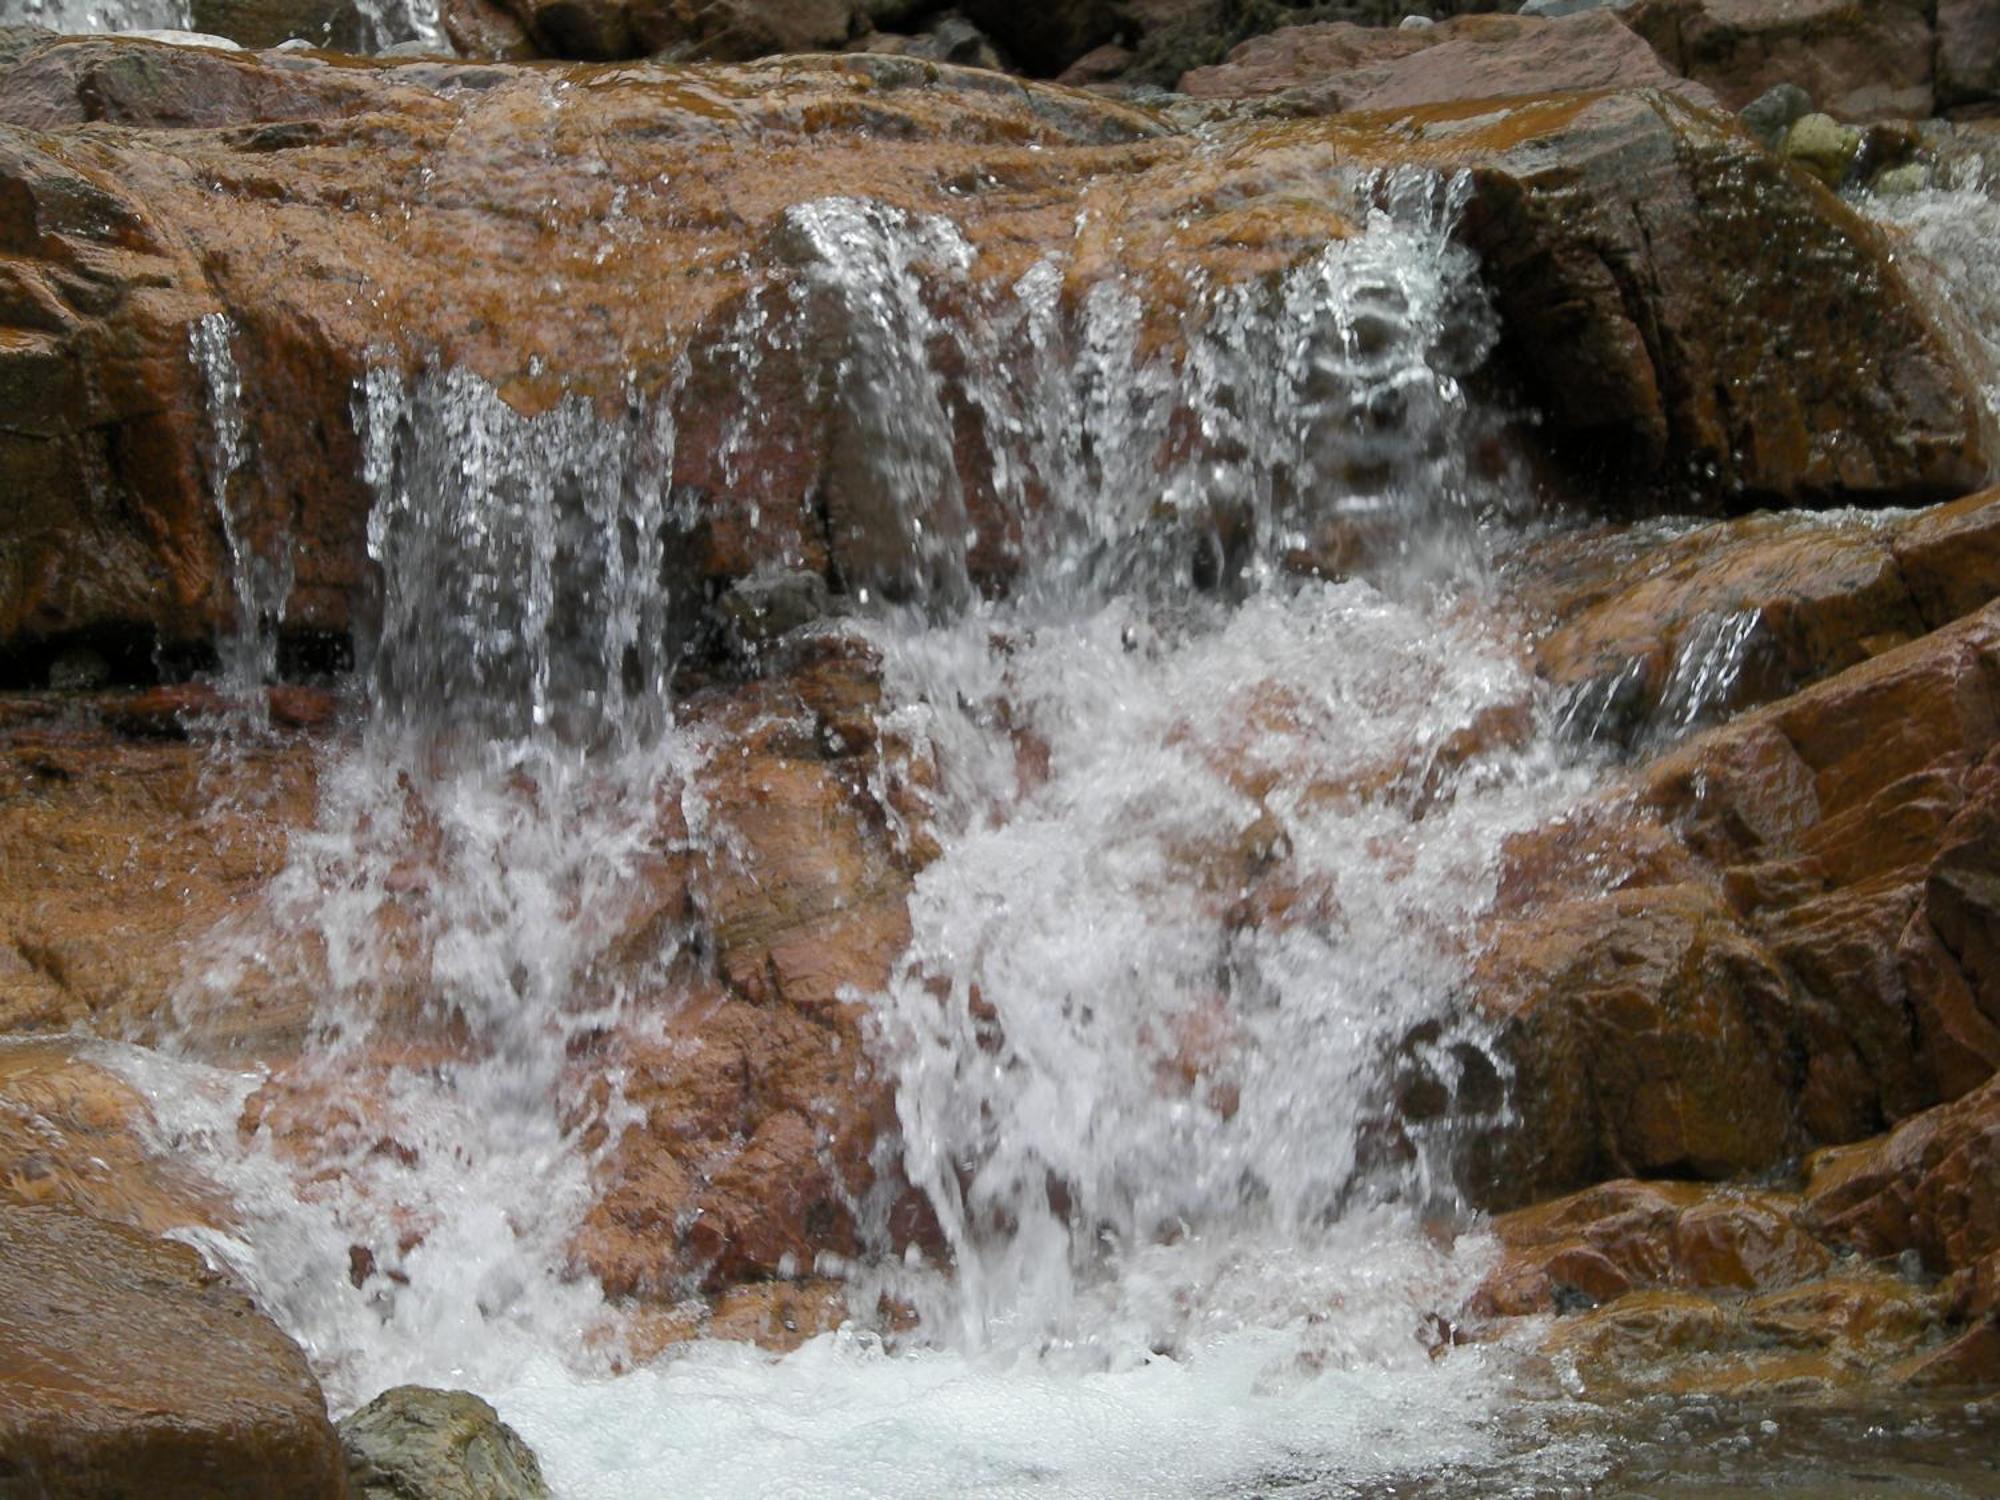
1163	983
365	25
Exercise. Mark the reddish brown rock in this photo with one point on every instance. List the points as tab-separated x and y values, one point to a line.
127	1367
1647	1035
1599	1244
72	1136
1609	224
1858	62
1794	946
1931	1186
1825	814
1684	308
1338	66
1680	1288
485	29
136	860
1738	614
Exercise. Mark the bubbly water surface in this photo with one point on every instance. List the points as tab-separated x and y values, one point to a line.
1162	981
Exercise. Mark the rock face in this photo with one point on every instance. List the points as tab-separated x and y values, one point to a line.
412	1443
1610	226
1690	315
1931	1186
1859	62
72	1137
128	1368
1792	949
99	938
1338	66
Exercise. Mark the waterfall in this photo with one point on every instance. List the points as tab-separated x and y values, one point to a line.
1227	752
362	25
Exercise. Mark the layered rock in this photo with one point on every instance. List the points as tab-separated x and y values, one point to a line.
1883	1270
1730	616
130	1368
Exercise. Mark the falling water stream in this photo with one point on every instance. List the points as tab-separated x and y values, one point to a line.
1192	1250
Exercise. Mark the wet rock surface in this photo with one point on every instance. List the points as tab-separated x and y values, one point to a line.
411	1443
130	1368
1609	226
1773	937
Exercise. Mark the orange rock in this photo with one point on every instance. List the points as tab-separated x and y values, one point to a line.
311	202
72	1136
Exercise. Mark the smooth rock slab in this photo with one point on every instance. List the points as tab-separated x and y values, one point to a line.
128	1368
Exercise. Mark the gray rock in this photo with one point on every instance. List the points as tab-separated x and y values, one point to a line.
1910	177
763	607
1775	111
1554	8
412	1443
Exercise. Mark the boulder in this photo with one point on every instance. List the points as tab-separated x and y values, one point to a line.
1968	55
127	1368
1776	936
1646	1035
414	1443
1690	315
1338	66
1858	62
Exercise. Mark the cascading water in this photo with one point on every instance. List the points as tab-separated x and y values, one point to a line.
1210	862
363	25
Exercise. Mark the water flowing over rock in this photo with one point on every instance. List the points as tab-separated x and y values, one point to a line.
1605	276
1011	743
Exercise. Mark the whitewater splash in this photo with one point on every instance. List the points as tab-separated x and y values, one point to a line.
1224	780
363	25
